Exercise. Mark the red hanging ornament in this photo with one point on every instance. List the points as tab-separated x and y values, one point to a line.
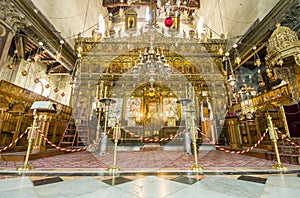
169	22
56	89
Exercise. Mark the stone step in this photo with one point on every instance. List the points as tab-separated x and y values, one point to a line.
151	147
285	158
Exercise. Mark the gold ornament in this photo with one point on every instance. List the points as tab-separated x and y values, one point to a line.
24	73
10	66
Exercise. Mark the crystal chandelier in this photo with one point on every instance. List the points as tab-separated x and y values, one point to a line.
152	66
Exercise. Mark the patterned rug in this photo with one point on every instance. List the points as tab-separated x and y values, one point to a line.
155	159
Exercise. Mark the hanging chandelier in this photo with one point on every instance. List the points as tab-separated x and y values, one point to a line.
152	65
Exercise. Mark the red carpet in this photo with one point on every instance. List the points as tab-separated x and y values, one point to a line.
155	159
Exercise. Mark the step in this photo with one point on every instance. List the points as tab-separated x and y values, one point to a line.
285	158
151	147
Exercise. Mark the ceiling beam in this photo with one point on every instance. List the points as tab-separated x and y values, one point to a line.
46	31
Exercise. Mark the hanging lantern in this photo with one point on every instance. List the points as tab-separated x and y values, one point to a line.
169	22
24	73
10	66
47	86
231	80
63	94
36	80
56	90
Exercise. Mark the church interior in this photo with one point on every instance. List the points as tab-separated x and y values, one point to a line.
149	98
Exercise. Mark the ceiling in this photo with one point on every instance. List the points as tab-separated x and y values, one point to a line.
66	19
229	17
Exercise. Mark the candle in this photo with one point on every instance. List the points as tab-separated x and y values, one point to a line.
101	90
105	91
186	91
97	93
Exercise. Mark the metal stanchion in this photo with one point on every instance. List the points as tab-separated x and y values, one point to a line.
195	166
31	135
274	138
116	136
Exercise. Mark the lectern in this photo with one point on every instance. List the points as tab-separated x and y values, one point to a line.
43	112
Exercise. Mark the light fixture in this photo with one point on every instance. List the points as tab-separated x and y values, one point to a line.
152	65
257	61
231	79
237	58
228	67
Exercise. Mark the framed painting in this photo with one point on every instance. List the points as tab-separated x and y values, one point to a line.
277	93
133	108
170	108
115	109
266	97
284	91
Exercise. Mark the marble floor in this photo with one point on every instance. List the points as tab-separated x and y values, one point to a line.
149	174
141	184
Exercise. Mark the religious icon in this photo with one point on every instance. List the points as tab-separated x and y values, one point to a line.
130	20
284	91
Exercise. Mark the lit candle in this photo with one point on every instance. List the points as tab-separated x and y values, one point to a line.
101	90
97	93
105	91
186	91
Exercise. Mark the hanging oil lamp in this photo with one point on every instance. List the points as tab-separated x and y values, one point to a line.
24	73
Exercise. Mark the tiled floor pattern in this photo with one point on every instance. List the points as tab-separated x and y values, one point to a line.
164	186
157	159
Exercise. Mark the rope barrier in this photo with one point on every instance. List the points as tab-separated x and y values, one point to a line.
60	148
14	142
243	151
152	139
288	139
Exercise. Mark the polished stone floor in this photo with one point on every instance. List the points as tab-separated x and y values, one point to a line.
163	184
150	174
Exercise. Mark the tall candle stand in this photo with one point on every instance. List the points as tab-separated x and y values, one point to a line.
187	138
195	166
116	137
103	143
